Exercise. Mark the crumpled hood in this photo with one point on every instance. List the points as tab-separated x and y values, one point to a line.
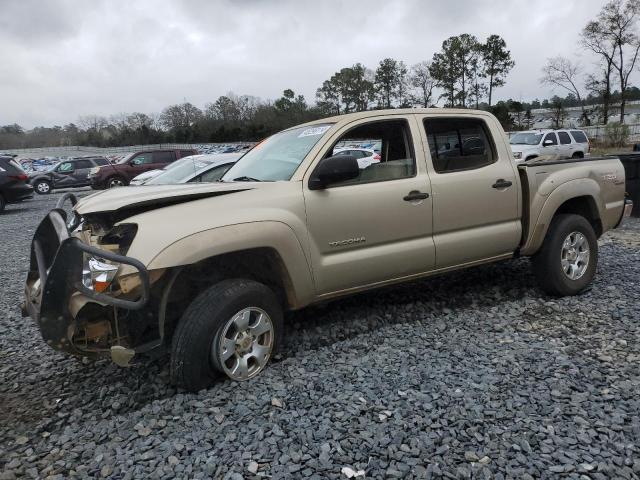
154	196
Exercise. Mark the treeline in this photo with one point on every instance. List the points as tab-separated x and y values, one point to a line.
464	73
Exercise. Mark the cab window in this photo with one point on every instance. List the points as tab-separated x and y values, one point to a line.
552	137
396	161
458	144
564	137
143	159
164	157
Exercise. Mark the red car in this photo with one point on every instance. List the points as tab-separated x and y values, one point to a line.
120	173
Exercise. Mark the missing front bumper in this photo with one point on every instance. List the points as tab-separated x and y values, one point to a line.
55	274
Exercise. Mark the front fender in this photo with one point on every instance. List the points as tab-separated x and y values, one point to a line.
244	236
544	207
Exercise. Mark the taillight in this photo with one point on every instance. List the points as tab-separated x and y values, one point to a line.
589	143
377	157
22	176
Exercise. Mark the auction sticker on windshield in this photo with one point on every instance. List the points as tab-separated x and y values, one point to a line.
314	131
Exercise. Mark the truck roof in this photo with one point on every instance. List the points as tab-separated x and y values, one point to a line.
347	117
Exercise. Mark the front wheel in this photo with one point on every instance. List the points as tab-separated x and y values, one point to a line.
231	328
43	187
566	262
116	182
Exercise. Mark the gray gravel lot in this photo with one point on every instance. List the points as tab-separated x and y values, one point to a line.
471	375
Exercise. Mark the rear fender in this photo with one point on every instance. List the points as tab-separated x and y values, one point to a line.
539	224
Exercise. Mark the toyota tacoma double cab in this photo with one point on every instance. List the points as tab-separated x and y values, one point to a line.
205	271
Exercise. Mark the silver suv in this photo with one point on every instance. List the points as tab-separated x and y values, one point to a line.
551	144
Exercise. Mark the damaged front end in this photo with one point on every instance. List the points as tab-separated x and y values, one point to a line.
85	294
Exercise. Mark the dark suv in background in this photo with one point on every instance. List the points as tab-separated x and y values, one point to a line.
13	182
69	173
120	173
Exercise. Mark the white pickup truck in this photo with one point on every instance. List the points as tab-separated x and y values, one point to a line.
205	271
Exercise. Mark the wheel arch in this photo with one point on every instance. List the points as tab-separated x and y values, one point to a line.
580	197
256	250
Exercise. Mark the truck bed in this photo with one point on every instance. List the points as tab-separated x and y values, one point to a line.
594	184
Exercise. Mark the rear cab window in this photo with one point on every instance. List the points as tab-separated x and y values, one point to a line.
458	144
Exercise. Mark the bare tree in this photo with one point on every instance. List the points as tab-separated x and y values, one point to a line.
594	37
423	84
618	20
562	72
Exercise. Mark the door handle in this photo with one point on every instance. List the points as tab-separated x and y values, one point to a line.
502	183
415	195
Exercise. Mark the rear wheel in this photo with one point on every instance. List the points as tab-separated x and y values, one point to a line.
116	182
577	155
232	328
566	262
43	187
3	203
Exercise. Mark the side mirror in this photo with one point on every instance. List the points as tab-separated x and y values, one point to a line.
546	143
334	170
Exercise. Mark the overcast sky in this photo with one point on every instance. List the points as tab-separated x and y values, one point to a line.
62	59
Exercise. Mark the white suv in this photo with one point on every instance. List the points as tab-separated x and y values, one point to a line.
551	144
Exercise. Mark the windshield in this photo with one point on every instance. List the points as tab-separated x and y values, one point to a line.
278	157
526	138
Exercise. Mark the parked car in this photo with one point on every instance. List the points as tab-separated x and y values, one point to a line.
13	182
364	156
206	270
148	175
67	174
551	144
121	173
196	168
187	168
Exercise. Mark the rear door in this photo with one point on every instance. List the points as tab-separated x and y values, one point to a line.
566	147
81	173
162	158
476	212
550	146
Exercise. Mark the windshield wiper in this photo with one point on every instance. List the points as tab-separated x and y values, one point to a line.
246	179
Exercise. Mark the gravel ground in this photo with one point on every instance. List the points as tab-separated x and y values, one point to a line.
470	375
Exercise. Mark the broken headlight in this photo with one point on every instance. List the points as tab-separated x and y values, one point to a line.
121	235
97	275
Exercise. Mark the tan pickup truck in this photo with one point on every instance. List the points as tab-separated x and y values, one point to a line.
206	271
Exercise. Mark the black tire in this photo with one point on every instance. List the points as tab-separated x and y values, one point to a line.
42	187
116	182
203	322
577	155
3	203
547	264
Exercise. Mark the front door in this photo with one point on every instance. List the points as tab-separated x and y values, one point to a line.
476	212
377	227
550	147
62	175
